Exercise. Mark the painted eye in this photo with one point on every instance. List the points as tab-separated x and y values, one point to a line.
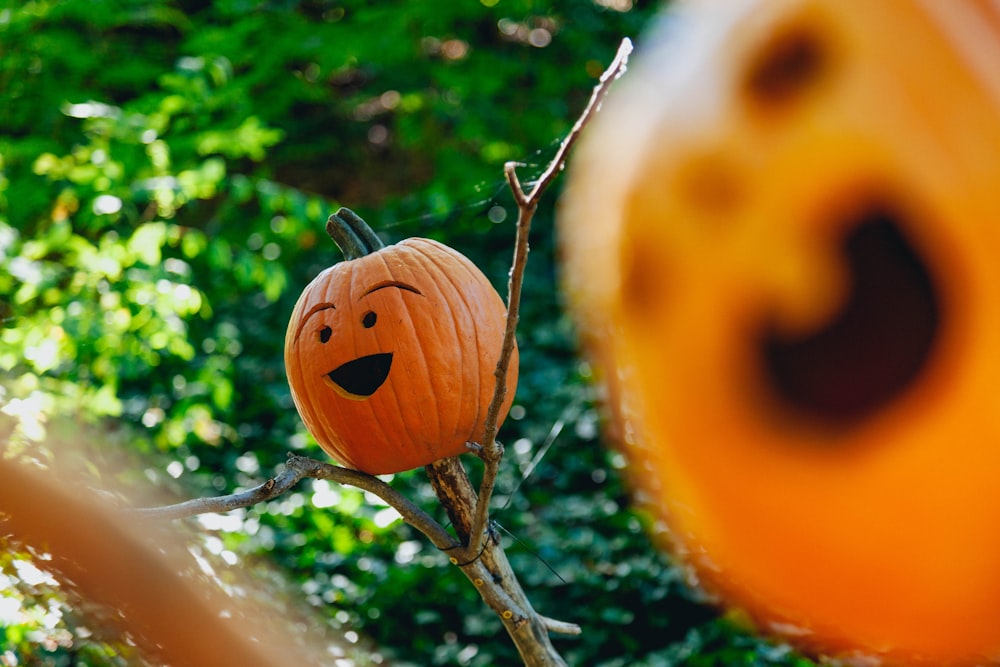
324	334
368	321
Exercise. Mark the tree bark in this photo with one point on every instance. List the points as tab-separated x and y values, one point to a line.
489	570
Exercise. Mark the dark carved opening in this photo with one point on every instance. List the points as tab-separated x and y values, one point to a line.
877	344
788	65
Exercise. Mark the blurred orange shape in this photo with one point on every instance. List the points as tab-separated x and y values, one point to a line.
780	240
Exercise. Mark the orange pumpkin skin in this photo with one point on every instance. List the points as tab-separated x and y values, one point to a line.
390	356
707	228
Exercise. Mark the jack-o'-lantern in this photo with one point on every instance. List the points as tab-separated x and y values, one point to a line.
391	354
781	237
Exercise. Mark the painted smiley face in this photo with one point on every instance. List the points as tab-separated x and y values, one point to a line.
390	356
360	377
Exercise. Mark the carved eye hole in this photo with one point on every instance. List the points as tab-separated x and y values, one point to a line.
324	334
788	65
368	321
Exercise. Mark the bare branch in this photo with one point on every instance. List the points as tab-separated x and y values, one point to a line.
614	70
510	172
491	451
272	488
411	514
489	570
297	468
560	627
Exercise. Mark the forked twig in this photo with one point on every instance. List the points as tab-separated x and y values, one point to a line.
490	450
297	468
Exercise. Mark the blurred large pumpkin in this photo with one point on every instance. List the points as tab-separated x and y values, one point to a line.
782	241
391	354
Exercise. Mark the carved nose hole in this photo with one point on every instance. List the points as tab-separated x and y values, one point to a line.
874	348
787	66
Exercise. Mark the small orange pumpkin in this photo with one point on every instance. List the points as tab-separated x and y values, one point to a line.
781	239
390	355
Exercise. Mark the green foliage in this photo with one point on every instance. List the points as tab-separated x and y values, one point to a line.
165	172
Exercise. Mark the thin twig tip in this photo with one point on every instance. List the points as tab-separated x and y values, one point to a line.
618	65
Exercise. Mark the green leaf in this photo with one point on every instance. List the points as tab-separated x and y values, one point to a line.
147	242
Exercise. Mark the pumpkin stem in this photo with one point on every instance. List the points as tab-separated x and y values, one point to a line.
352	234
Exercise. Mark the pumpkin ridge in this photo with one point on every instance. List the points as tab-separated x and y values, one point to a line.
294	362
438	260
494	358
328	413
368	453
479	393
428	376
475	276
465	395
318	416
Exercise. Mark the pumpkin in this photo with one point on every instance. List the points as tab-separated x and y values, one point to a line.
780	240
390	355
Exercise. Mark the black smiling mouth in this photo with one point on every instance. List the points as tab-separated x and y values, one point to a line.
361	377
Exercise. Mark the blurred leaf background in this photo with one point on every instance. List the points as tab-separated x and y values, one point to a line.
166	168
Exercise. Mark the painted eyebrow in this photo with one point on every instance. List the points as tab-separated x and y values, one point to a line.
391	283
312	311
